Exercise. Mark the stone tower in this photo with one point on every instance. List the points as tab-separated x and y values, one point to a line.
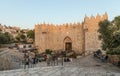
80	37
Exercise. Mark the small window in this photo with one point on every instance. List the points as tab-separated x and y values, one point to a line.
44	32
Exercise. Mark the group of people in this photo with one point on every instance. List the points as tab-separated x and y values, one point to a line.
28	60
54	59
101	56
51	59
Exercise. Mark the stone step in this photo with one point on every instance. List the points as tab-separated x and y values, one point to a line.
58	71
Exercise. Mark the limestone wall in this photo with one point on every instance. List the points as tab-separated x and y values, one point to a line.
50	36
92	42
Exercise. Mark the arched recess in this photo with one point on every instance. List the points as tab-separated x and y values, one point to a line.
67	43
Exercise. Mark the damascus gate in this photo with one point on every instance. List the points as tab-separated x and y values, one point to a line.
79	37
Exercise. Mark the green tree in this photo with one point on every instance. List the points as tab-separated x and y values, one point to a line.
30	34
105	34
21	37
2	38
18	38
0	30
110	35
21	31
5	38
116	32
116	22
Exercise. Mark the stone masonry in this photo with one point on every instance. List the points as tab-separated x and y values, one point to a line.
80	37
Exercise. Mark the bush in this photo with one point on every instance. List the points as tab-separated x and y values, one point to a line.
48	51
115	51
111	52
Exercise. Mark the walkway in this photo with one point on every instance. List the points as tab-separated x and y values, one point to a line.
86	66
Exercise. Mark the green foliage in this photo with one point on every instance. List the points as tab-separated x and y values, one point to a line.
18	38
114	51
116	22
6	38
21	31
48	51
0	30
117	36
30	34
110	35
105	34
21	37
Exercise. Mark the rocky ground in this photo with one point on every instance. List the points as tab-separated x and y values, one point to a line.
85	66
11	57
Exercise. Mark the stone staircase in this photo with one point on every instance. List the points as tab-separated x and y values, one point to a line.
58	71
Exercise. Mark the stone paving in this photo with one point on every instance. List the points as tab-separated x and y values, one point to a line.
86	66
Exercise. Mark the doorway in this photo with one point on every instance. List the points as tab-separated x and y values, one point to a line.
68	46
67	43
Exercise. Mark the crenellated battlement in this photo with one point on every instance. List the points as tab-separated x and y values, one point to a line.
91	19
81	36
96	18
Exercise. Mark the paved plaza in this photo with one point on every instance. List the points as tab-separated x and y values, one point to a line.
85	66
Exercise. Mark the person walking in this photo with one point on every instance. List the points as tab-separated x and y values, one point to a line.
26	60
48	60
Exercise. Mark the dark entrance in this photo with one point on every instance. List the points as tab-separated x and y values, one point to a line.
68	46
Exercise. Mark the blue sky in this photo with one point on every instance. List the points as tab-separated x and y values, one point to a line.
27	13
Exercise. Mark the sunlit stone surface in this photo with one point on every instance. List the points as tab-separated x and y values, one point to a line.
87	66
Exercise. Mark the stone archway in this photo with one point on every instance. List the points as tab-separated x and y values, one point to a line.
67	43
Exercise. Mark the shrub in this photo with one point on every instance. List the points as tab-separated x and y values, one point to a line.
115	51
48	51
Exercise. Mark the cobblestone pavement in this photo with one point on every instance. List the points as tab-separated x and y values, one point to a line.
86	66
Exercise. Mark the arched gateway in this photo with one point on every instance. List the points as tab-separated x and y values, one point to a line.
67	43
70	36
